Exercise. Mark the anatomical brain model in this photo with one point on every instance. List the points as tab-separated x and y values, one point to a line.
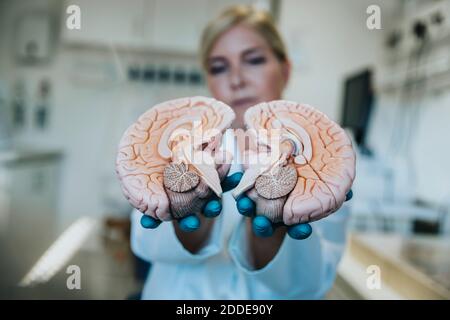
163	155
299	165
311	171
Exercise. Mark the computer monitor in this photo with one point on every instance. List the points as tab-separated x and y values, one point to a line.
357	106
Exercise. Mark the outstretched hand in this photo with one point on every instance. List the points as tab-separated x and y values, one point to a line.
211	209
263	227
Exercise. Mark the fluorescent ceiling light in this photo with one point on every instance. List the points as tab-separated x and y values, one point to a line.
60	252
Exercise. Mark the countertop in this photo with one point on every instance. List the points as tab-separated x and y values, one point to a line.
108	269
412	267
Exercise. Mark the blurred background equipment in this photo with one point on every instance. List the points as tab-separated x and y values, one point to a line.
357	106
33	38
5	120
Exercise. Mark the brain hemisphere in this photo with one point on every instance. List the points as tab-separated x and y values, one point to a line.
324	159
174	131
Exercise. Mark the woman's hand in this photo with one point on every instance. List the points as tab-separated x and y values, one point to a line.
188	207
262	226
201	204
267	237
211	205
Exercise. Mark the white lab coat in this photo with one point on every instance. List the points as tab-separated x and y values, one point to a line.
302	269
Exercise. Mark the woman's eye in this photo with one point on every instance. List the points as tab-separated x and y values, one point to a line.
256	60
213	70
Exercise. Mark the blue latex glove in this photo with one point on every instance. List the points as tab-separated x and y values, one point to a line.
263	227
211	209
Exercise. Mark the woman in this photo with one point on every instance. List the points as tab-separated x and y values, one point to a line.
246	63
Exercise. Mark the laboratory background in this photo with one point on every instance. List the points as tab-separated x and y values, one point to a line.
379	68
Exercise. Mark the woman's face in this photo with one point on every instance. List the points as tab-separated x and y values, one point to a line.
242	70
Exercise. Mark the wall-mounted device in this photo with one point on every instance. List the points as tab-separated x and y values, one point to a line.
430	22
33	37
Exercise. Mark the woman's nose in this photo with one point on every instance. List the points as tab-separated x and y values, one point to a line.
237	81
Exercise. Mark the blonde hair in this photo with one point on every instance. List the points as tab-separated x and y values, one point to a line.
259	20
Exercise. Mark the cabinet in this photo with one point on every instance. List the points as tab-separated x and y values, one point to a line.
29	185
33	198
160	25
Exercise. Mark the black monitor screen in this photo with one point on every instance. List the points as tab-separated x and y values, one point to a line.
357	104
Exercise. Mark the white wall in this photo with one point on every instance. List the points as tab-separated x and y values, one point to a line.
327	40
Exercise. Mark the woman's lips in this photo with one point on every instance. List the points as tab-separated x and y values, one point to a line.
243	102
